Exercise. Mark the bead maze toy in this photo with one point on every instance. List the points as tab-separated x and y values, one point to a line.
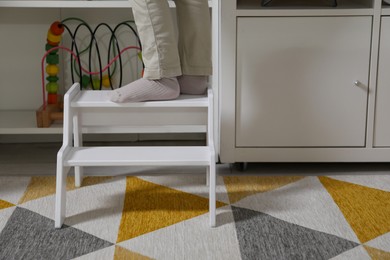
51	111
52	107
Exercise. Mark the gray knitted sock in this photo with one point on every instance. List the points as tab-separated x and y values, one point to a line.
193	85
146	89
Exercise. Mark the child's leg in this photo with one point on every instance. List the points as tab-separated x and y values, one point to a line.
159	45
194	45
154	23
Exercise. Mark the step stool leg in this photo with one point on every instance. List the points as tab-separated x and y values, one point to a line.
212	196
77	141
78	176
208	177
60	207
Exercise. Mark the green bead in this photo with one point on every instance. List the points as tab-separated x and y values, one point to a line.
96	84
85	81
52	87
52	59
52	78
48	47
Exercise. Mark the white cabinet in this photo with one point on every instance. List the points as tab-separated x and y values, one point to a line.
298	87
302	81
382	118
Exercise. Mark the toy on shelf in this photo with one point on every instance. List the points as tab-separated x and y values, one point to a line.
52	69
51	109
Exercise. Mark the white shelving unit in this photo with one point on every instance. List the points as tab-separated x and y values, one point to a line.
20	97
300	81
24	122
305	8
71	4
66	4
386	9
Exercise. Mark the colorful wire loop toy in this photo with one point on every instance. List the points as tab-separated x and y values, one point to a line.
54	36
95	80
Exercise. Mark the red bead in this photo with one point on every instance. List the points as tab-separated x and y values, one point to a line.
52	98
57	28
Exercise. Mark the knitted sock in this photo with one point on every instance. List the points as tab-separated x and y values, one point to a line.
193	85
146	89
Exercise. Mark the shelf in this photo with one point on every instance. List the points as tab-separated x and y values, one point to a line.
303	8
66	4
72	4
23	122
385	9
306	12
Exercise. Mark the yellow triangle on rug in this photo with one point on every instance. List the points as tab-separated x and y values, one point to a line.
377	254
124	254
149	206
5	204
366	209
239	187
44	186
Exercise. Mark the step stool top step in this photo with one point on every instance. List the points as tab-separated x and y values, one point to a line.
101	98
140	156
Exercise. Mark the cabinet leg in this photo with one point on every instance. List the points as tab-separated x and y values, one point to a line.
241	166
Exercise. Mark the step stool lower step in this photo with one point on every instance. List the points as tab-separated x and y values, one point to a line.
140	156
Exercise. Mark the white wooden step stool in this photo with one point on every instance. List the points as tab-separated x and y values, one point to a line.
91	111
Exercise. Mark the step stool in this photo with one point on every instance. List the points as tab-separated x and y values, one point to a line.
91	111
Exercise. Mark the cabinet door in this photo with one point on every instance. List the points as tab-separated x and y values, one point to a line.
382	118
296	81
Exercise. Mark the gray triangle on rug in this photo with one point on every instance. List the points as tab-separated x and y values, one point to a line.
28	235
262	236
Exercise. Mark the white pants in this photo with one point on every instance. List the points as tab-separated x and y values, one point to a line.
162	54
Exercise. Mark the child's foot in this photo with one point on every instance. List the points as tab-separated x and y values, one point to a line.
145	89
193	85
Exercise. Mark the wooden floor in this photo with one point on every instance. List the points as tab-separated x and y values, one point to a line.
31	159
28	159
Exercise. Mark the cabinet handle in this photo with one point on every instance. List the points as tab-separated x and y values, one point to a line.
357	83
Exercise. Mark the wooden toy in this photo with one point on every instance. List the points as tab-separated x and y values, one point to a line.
46	115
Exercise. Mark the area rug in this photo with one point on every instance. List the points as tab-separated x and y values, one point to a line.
166	217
